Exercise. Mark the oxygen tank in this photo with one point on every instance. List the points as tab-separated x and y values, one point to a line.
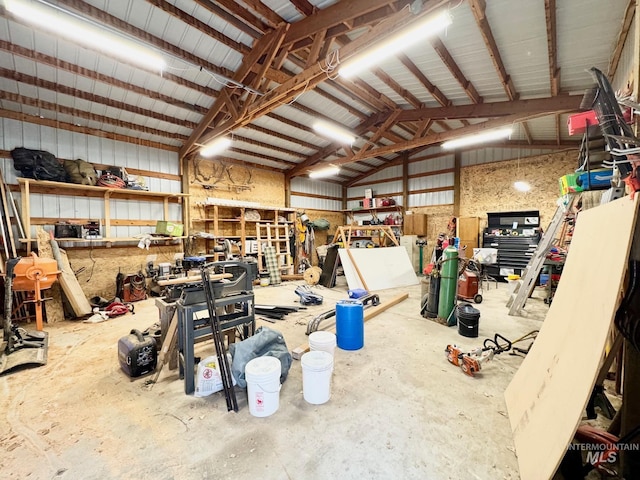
448	284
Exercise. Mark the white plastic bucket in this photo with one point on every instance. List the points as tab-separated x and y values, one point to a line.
263	385
324	341
317	367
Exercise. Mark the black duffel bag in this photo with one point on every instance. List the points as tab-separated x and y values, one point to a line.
38	164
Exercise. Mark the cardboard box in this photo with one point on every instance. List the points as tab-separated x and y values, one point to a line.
171	229
415	224
568	184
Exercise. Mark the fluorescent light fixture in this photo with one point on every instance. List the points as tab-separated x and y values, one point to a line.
334	132
215	147
521	186
325	172
56	20
406	38
478	138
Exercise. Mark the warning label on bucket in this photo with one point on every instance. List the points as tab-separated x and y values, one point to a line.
260	401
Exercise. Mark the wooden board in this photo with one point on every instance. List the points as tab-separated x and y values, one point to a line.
548	395
72	289
53	308
369	313
377	268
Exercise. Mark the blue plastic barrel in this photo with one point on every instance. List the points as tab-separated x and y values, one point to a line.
349	324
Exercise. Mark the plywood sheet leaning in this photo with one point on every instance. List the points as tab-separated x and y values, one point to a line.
549	393
72	289
379	268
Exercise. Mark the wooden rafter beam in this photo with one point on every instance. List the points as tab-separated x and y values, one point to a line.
332	148
478	7
304	7
326	18
443	136
527	133
58	108
115	22
91	97
282	136
239	76
552	45
316	47
268	146
431	88
629	14
306	80
23	117
260	8
99	77
494	109
262	156
379	133
199	25
396	87
453	67
274	42
237	16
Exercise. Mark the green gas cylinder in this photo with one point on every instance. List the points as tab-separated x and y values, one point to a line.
448	283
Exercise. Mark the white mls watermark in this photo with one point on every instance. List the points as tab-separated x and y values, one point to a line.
600	453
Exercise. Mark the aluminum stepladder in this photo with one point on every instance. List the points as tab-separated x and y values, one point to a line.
524	286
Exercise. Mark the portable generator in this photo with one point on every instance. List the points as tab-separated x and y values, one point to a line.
137	353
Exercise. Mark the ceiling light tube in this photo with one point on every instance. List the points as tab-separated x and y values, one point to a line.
334	132
478	138
406	38
215	147
325	172
58	21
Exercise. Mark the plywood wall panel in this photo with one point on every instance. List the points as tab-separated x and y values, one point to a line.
489	187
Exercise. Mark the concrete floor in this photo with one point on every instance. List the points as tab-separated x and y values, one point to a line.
398	409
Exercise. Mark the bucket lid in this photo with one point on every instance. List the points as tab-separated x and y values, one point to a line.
322	338
262	368
317	361
349	303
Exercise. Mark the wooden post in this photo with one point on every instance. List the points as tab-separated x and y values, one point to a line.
456	183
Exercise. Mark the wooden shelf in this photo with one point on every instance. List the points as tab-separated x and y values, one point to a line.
29	186
106	240
61	188
389	208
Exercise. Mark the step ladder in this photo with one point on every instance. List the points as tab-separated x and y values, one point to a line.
525	285
277	236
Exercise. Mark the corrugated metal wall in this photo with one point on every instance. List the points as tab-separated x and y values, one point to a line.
70	145
315	187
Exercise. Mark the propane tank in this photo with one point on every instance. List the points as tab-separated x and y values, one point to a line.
448	284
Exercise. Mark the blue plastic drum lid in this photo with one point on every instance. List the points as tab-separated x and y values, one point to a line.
349	324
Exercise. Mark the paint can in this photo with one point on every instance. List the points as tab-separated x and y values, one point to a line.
264	279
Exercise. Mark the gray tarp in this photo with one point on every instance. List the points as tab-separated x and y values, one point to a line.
264	342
